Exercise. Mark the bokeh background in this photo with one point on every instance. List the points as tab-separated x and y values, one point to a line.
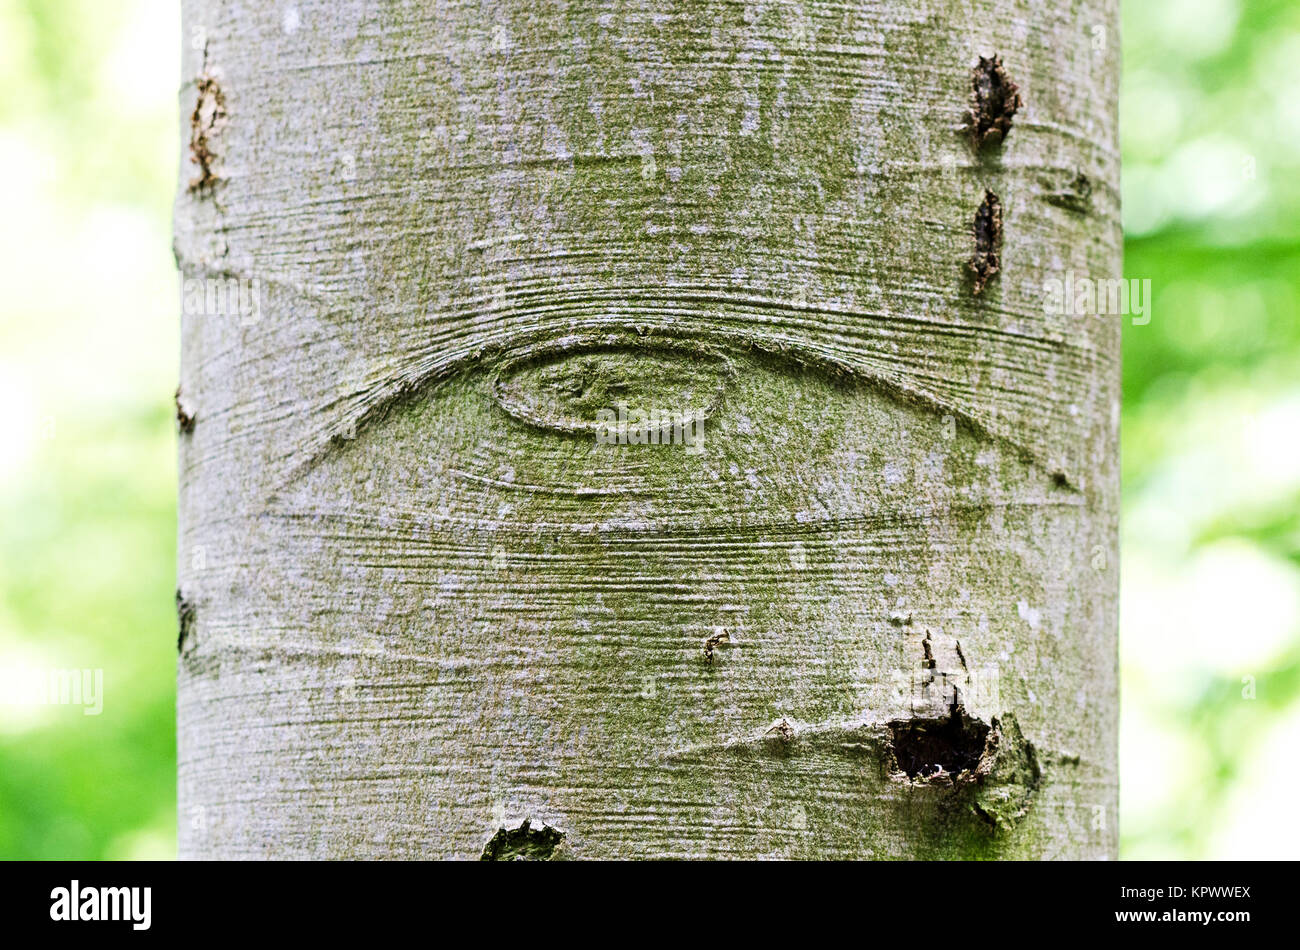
1210	619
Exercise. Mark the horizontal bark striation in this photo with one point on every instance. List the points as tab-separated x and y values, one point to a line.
432	606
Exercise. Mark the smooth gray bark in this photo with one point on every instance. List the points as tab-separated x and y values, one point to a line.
420	602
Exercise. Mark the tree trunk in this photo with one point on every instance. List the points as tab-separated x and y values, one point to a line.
858	601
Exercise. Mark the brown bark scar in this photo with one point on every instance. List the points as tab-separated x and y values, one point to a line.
524	843
781	731
986	262
711	643
939	748
207	122
994	100
184	621
990	765
185	416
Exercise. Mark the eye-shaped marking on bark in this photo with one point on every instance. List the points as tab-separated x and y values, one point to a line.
715	352
520	450
568	390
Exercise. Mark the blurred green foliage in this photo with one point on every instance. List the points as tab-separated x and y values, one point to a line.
1210	549
1211	534
88	352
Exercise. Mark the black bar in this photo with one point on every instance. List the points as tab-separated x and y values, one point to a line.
952	901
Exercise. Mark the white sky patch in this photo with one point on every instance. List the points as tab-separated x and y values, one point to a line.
1254	825
1230	609
138	81
19	421
1156	759
21	663
1197	28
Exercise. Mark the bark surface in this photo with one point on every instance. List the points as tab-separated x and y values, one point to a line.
425	612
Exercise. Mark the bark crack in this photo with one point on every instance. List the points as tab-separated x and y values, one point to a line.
207	122
524	843
986	262
185	416
994	100
184	622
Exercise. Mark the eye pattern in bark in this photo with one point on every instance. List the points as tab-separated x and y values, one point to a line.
562	388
